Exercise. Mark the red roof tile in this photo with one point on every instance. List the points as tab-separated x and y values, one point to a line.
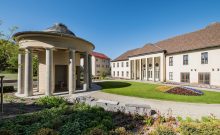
99	55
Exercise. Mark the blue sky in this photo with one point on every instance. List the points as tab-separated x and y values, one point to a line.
113	26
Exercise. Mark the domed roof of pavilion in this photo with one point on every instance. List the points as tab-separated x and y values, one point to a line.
60	29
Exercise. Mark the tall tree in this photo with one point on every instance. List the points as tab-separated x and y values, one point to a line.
8	50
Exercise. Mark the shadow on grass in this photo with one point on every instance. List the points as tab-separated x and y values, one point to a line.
113	84
13	109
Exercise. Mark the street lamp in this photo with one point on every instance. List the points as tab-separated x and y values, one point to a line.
1	77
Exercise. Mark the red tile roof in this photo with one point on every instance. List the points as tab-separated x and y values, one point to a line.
204	38
99	55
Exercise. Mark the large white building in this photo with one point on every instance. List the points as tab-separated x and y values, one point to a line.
188	58
100	64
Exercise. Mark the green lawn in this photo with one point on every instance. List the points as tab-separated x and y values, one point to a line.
9	76
12	76
144	90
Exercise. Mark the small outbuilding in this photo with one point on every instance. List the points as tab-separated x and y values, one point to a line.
59	52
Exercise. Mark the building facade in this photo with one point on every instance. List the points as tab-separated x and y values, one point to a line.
190	58
100	64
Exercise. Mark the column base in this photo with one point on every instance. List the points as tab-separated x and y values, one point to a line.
85	87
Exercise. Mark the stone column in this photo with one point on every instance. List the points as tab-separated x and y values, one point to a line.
86	75
90	71
162	68
28	80
72	72
49	71
78	76
146	69
153	69
21	65
130	69
140	68
135	70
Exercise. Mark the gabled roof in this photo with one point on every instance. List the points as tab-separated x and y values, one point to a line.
99	55
125	55
204	38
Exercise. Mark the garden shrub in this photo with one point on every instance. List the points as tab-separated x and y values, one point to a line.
95	131
8	89
51	101
149	121
6	132
163	130
46	131
200	128
71	129
120	131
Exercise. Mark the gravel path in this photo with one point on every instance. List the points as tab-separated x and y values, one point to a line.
193	110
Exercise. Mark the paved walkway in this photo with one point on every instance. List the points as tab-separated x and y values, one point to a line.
193	110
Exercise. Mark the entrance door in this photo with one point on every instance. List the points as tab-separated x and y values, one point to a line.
157	74
61	78
150	72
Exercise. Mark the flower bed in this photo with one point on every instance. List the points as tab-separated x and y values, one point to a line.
185	91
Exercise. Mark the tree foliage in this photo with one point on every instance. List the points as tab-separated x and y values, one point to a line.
8	50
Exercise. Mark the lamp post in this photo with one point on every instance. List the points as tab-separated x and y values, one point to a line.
1	77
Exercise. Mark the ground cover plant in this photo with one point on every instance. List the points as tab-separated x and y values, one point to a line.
155	91
81	119
67	119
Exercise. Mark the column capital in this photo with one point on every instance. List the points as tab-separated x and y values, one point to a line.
49	48
72	50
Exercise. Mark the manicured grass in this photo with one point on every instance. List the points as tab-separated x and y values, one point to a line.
12	76
144	90
9	76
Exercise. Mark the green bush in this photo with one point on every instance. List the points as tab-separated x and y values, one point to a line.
6	132
46	131
203	128
51	101
163	130
8	89
71	129
120	131
95	131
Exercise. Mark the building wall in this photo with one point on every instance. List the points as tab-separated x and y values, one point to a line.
99	65
119	69
194	66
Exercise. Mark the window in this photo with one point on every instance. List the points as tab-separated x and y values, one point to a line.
127	74
113	64
96	59
185	59
126	64
204	58
118	73
113	73
185	77
122	64
170	61
122	73
117	64
204	78
170	75
98	71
